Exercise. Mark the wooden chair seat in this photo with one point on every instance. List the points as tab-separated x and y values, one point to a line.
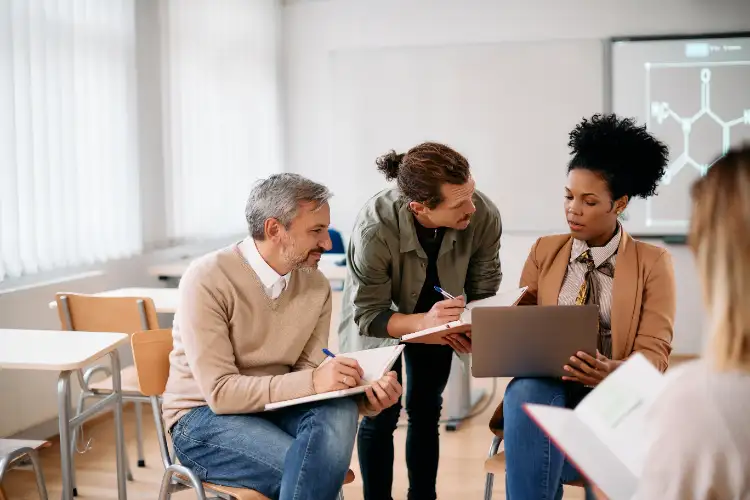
9	445
246	494
496	464
128	380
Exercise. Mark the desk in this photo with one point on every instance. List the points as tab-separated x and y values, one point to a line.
66	352
173	271
165	299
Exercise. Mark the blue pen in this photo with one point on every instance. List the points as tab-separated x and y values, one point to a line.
445	294
328	353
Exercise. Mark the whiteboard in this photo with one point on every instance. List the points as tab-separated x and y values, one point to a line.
508	107
693	94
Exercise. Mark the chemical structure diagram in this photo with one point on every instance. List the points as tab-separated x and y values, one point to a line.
660	111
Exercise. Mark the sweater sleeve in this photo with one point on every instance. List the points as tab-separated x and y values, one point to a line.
202	325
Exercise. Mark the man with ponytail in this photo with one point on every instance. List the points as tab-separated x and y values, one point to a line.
433	231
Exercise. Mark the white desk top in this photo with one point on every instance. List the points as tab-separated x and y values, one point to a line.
327	266
165	299
53	349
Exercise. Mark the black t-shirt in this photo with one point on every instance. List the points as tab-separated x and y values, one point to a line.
430	239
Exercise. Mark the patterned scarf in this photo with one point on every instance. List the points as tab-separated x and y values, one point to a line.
589	294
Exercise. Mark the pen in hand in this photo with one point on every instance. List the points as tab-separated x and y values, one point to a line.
445	294
328	353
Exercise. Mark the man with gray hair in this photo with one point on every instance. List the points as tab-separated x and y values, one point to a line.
250	329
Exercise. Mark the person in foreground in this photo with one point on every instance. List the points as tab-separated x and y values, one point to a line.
433	230
613	160
701	449
252	322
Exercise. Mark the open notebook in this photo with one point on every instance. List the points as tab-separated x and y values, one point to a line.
607	437
374	362
502	299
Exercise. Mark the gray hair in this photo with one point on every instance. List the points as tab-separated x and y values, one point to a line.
278	197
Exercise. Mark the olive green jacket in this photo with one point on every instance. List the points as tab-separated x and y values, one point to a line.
387	266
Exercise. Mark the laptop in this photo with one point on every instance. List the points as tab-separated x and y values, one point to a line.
531	341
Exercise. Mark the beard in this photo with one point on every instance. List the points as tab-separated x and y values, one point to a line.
297	258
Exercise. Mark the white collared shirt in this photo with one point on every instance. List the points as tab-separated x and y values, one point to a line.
577	270
272	281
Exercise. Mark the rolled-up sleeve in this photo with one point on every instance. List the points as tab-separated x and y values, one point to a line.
369	270
484	274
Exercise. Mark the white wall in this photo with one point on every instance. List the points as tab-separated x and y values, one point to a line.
314	30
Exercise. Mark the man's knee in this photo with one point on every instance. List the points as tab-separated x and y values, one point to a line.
339	417
533	390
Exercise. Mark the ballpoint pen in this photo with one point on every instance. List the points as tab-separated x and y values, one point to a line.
445	294
328	353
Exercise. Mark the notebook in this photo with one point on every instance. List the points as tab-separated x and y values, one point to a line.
502	299
607	437
374	362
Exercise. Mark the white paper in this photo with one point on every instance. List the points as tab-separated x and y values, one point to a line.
503	299
615	410
374	362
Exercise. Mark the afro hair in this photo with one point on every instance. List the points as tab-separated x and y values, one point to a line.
626	155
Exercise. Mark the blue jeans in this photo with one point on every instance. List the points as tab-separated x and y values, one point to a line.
301	452
535	467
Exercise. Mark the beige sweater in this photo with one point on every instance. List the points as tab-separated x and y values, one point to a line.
235	348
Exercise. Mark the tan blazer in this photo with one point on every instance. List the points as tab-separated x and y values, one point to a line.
643	295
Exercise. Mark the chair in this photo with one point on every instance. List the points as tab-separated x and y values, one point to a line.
337	242
151	356
108	314
495	463
14	450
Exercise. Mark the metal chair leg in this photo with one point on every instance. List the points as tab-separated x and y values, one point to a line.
74	438
139	433
166	482
36	464
6	460
128	472
489	483
490	478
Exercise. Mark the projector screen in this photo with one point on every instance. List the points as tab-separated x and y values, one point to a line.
693	94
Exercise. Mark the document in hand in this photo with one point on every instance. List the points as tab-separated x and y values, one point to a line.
606	436
502	299
374	362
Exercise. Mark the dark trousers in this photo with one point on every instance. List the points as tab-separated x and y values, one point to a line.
427	371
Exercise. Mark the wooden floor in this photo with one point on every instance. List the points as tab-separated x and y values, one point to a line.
461	474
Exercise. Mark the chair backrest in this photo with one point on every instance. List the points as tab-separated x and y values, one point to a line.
337	242
94	313
151	350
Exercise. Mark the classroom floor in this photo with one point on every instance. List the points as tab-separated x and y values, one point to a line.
461	473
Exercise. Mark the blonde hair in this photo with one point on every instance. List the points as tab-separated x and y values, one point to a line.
720	240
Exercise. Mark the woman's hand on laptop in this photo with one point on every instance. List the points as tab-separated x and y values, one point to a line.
589	371
336	374
383	393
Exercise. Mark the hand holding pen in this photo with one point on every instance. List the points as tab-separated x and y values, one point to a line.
339	373
460	342
444	311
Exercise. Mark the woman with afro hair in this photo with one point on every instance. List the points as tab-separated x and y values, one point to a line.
613	160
